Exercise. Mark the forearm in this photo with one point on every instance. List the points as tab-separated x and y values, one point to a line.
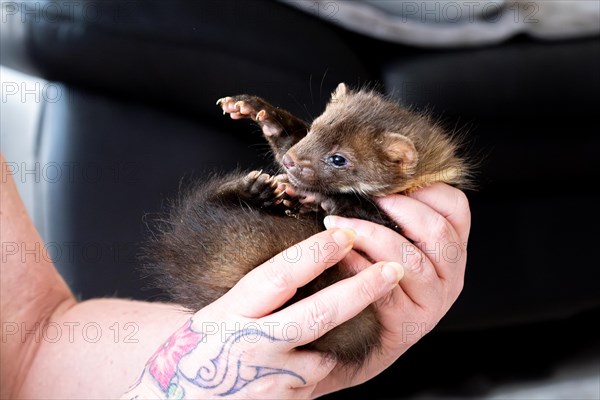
53	347
97	348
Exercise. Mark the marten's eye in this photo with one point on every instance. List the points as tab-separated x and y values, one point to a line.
337	161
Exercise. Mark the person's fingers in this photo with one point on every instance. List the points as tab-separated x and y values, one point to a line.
421	281
330	307
271	284
451	203
354	262
380	243
430	232
419	222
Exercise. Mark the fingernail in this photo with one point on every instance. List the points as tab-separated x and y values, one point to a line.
331	221
344	237
392	272
328	222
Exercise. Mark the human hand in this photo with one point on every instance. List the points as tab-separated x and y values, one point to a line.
437	220
244	345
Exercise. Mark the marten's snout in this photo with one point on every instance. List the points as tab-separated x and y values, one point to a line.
288	161
297	167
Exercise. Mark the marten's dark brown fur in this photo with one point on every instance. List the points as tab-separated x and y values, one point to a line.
363	145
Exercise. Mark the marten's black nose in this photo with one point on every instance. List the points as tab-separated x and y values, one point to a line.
288	161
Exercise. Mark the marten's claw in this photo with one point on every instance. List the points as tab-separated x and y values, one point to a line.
232	107
224	101
244	106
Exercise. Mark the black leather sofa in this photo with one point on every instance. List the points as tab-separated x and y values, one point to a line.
138	121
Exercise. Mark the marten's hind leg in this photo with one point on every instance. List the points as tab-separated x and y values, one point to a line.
281	129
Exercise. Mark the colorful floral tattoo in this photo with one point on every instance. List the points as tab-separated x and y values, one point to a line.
162	366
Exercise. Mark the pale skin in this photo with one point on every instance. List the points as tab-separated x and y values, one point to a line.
78	365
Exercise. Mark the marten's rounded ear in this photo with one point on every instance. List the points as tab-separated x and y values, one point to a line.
401	149
340	91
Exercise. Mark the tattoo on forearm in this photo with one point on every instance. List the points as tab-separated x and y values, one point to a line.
223	375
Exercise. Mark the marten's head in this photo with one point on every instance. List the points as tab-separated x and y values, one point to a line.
356	145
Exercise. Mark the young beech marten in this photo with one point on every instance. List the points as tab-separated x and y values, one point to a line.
363	145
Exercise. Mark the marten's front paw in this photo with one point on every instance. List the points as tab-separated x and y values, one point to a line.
263	189
300	202
255	108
